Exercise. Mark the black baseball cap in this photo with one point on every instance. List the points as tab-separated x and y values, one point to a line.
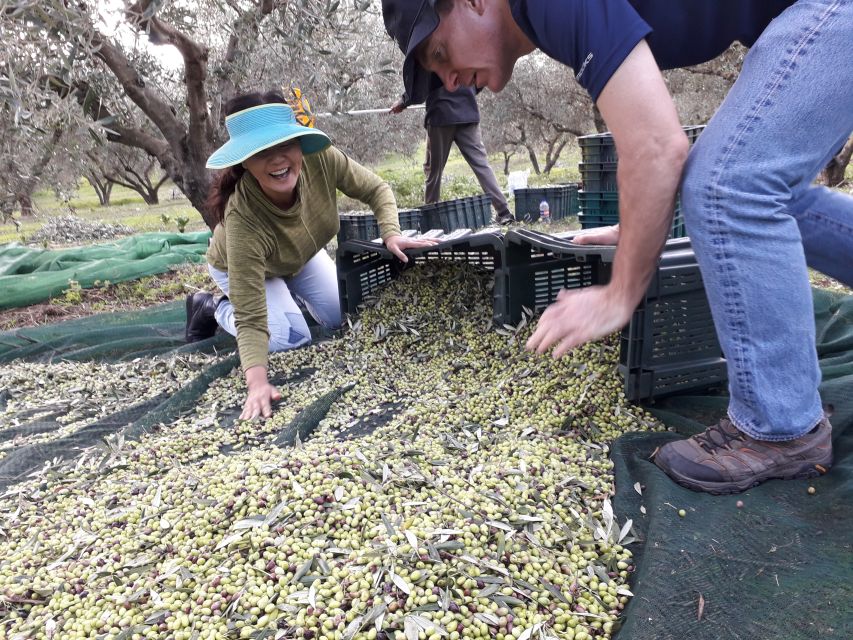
410	22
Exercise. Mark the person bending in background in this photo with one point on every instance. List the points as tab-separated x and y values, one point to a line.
754	217
453	116
276	205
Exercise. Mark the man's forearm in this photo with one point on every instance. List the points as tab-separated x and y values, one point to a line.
647	186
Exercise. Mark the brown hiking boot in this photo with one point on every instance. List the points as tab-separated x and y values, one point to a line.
723	459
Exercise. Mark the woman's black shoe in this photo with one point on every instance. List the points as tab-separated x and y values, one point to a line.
201	321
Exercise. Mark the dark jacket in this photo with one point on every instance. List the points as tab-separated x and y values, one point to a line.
445	109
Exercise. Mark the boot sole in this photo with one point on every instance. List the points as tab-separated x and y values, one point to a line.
808	470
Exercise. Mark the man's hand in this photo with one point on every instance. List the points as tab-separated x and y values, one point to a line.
396	245
599	236
397	107
261	394
578	316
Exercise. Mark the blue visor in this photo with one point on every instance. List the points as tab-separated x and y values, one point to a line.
262	127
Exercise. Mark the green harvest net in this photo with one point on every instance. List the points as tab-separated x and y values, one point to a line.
29	275
779	567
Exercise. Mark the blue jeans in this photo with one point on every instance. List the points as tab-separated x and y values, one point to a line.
316	286
756	220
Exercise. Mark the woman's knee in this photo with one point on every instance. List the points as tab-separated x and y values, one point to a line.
289	333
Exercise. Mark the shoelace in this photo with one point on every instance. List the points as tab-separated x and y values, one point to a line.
709	444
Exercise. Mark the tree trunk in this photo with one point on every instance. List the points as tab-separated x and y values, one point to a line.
598	119
150	196
24	195
531	153
140	182
507	156
25	202
103	188
555	148
833	174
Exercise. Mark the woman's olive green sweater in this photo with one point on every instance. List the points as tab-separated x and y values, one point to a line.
257	240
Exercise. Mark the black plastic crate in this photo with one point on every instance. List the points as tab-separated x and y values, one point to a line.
598	147
572	191
473	212
599	203
598	176
410	219
673	323
601	209
648	384
678	230
693	132
357	226
592	221
670	344
364	226
364	267
538	266
562	201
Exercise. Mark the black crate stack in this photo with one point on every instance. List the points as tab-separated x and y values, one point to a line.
562	201
599	199
363	225
473	212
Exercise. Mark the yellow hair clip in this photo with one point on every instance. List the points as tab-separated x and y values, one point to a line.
301	108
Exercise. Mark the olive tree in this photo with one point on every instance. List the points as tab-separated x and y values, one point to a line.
540	111
225	46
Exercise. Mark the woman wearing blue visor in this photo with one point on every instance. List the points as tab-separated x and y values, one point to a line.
276	206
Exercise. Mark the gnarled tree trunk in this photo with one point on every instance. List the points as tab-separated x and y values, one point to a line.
833	174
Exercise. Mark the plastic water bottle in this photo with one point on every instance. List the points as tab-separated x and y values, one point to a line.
545	212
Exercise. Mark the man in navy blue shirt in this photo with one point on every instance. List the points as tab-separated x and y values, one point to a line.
453	116
754	217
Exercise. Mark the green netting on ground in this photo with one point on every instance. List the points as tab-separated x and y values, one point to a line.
109	337
29	275
781	566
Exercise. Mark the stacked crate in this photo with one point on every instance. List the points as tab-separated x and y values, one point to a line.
473	212
562	201
599	199
363	225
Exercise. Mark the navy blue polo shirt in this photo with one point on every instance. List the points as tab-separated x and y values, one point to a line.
594	37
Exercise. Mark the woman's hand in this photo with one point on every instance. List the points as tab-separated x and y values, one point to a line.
261	394
601	235
396	244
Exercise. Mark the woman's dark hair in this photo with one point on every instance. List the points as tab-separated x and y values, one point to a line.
225	181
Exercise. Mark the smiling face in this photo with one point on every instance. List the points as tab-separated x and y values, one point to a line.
475	44
277	170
